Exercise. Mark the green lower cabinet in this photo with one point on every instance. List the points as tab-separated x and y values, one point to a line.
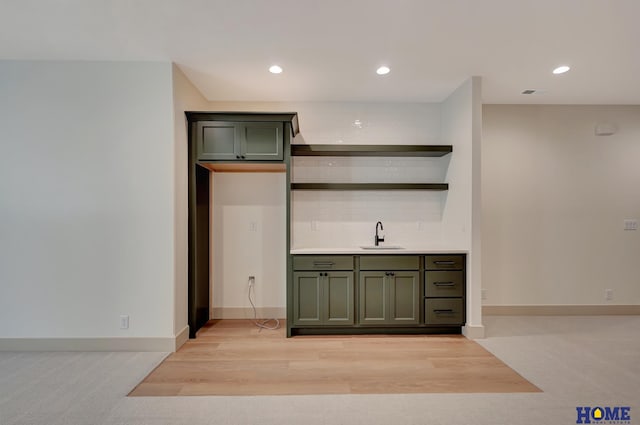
374	298
389	298
405	298
444	311
337	298
306	298
323	298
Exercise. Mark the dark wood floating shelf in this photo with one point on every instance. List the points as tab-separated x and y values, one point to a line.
371	150
369	186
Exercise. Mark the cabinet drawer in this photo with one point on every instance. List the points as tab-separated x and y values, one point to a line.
444	262
389	262
444	311
443	283
323	262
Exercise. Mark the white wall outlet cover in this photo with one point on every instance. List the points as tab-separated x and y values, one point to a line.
631	224
605	129
124	322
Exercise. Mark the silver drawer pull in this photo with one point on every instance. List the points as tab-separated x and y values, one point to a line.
444	283
445	263
448	311
323	263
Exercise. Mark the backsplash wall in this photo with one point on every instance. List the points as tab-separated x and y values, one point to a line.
325	219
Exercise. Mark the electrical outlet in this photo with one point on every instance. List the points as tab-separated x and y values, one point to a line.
484	293
253	226
630	224
314	225
608	294
124	322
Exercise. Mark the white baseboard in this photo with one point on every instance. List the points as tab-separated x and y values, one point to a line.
247	313
181	338
561	310
473	331
159	344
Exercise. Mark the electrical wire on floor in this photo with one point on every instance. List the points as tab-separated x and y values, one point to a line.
262	323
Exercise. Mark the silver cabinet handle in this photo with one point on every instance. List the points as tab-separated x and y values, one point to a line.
444	283
445	263
447	311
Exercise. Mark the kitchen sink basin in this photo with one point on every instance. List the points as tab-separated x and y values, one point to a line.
382	247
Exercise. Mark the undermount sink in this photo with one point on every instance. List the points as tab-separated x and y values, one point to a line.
382	247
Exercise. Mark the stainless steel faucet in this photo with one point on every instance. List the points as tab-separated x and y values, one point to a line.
378	239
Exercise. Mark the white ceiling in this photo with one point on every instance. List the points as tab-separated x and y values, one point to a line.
329	49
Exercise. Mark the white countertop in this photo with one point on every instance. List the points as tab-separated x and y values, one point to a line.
361	251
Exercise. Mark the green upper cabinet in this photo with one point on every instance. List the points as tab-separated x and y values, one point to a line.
261	141
239	141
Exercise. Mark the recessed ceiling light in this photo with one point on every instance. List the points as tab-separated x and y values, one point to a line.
275	69
561	69
383	70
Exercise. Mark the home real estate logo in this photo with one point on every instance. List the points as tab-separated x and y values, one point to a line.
609	415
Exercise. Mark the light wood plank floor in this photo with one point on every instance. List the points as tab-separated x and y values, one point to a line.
233	357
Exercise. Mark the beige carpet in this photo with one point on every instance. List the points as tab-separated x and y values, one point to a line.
233	357
576	361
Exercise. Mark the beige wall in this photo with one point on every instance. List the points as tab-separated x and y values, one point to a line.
554	200
185	98
461	127
86	208
248	231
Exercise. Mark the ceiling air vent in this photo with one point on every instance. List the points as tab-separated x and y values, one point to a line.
534	91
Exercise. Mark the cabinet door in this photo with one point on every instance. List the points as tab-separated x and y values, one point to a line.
337	298
216	140
307	293
404	297
261	141
373	298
